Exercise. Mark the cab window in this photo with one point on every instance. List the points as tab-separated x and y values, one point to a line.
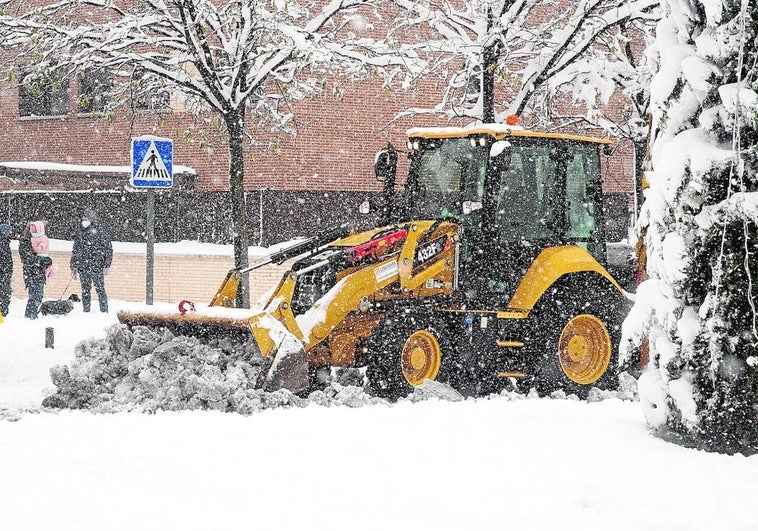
526	198
582	172
450	171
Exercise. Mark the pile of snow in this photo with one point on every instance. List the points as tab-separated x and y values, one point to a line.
146	370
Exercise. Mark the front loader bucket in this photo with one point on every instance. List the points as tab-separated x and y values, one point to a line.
203	324
280	345
283	352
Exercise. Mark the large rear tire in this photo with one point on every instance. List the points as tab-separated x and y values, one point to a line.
406	349
576	333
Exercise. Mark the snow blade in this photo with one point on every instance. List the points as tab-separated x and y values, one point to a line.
288	361
189	324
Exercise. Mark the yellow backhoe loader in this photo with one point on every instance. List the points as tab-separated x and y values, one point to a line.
488	268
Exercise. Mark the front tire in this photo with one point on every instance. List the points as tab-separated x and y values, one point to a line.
406	349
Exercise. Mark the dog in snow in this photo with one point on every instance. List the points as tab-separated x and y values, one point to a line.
59	307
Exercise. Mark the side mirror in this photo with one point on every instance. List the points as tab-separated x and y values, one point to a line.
365	207
385	163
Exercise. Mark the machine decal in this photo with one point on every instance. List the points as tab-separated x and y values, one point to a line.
386	271
429	250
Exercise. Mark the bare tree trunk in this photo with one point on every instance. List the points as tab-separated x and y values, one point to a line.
489	64
640	153
488	85
235	122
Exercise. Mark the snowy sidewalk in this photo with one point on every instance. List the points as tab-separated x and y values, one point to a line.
185	270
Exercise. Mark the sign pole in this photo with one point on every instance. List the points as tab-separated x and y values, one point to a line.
152	167
150	258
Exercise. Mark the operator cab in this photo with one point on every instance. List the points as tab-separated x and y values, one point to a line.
514	193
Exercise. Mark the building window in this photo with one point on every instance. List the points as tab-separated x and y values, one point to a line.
43	94
148	95
95	88
160	101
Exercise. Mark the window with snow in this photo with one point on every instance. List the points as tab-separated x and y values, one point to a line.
153	102
43	94
95	88
148	94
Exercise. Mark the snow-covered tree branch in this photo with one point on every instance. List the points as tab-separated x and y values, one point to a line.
548	48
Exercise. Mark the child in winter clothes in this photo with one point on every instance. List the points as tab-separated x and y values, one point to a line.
36	271
40	243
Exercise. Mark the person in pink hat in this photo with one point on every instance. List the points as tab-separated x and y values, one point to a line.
37	267
40	242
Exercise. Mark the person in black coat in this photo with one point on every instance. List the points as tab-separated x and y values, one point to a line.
6	268
36	270
91	259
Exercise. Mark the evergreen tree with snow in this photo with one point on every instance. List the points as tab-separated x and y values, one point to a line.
700	218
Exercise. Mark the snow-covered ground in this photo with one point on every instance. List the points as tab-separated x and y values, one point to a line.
508	462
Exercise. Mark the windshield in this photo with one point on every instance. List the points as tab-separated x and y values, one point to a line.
448	172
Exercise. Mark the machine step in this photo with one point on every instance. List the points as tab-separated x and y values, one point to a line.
511	374
510	344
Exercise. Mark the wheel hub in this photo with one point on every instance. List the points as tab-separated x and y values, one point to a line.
421	357
417	359
577	348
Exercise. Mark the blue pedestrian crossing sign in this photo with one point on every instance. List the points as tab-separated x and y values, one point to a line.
152	162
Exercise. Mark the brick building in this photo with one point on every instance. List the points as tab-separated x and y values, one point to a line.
316	177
